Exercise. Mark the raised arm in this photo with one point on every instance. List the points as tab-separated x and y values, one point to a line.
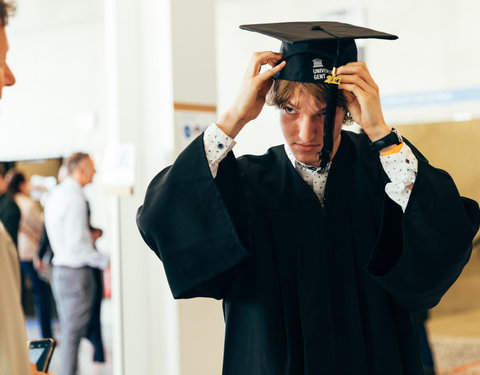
253	90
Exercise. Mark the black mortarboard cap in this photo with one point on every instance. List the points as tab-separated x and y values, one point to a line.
313	51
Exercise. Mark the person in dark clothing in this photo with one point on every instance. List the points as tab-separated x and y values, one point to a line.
43	259
30	230
94	329
9	211
319	266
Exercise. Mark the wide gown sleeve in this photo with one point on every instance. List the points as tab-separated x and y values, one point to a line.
420	254
186	219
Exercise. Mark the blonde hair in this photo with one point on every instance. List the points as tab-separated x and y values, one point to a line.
282	91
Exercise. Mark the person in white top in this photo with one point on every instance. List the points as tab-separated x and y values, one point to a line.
75	257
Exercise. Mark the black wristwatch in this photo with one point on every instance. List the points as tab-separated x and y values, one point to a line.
393	138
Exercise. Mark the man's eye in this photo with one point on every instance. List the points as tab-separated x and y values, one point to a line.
289	109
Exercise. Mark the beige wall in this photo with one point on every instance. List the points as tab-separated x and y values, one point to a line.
452	147
48	167
201	336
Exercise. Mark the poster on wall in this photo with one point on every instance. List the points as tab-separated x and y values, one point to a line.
118	169
190	121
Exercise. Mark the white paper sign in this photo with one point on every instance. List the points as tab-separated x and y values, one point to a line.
119	169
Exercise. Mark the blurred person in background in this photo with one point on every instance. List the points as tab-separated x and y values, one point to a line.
29	234
13	338
9	211
75	257
43	262
94	329
43	259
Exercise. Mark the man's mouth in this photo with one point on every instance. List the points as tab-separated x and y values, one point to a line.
307	146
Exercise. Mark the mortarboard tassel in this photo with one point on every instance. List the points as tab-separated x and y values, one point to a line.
331	109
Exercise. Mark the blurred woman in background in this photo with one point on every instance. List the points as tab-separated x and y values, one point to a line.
29	235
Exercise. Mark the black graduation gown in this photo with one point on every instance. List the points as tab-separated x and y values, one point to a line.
308	289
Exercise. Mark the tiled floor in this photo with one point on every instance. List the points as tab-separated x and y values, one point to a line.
455	324
455	342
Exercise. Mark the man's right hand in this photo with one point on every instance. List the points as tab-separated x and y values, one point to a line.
251	98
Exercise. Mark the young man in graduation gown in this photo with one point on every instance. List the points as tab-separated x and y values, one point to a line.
321	248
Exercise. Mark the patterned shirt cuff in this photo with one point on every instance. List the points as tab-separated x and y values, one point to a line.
401	168
217	145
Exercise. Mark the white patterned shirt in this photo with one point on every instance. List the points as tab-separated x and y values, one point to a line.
401	166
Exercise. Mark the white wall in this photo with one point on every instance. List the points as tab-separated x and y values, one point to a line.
57	56
139	96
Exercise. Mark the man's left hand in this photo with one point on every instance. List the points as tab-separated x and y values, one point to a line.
363	99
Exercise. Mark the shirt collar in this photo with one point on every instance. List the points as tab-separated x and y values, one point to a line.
69	181
298	165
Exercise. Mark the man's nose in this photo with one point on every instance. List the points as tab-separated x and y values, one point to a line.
308	129
9	77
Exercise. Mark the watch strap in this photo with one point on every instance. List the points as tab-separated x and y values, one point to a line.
392	138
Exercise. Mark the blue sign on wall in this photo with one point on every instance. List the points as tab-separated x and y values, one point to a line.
430	98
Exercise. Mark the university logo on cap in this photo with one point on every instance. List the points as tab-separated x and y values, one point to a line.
317	63
318	70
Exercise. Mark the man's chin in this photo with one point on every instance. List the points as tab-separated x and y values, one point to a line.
310	158
312	161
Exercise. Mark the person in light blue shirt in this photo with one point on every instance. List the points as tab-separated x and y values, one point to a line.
76	258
